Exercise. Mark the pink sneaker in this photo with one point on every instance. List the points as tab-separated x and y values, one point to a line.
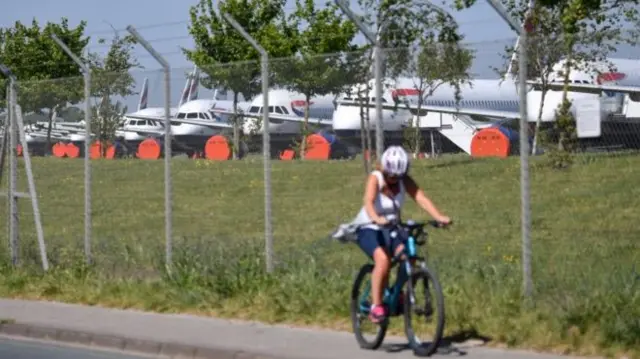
377	314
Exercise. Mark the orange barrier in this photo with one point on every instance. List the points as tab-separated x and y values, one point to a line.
217	148
287	155
72	150
318	148
490	142
59	149
95	151
19	150
149	149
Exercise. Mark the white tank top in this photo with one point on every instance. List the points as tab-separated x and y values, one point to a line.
383	205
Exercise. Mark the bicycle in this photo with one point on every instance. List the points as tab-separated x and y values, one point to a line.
360	306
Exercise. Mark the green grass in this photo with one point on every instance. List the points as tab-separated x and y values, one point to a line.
586	260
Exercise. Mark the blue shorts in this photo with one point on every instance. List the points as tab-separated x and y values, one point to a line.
369	239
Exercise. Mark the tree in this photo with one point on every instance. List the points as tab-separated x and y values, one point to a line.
435	65
547	44
48	78
226	58
398	25
110	77
588	30
602	22
318	67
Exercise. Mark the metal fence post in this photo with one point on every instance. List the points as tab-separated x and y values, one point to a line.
266	150
377	69
16	122
522	30
32	186
167	140
12	225
87	128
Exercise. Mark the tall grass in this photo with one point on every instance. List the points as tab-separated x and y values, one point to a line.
585	248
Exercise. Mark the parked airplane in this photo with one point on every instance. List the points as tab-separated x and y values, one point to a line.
286	112
149	121
482	102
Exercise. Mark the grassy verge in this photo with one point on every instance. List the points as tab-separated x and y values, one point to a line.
585	245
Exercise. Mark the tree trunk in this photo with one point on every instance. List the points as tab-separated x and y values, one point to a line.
305	125
368	125
536	133
363	141
236	127
50	122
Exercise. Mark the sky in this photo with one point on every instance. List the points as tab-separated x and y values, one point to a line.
164	23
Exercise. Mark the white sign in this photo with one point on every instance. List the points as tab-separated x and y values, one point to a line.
588	117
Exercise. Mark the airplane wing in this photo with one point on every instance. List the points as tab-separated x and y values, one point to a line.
206	123
279	118
413	108
588	88
198	122
154	118
142	132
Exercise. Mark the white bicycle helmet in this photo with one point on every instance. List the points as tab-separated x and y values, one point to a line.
395	161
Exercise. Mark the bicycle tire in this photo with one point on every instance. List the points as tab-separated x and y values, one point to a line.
425	274
355	305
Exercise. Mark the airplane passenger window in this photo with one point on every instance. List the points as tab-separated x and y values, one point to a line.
141	122
278	109
192	115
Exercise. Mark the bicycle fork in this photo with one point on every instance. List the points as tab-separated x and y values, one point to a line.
427	311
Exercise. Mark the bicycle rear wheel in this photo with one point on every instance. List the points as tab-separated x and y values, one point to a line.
419	317
360	306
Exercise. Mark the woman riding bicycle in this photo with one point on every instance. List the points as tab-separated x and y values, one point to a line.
384	196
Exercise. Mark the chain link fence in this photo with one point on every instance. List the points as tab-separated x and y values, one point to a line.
322	141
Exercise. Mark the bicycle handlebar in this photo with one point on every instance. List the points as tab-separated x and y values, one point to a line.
415	229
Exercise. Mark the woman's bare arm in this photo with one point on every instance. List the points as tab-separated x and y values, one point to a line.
422	200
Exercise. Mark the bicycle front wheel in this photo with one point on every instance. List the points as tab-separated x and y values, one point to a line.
423	301
360	306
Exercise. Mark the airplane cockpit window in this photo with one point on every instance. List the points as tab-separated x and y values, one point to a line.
181	115
284	109
279	109
203	116
270	109
254	109
192	115
214	116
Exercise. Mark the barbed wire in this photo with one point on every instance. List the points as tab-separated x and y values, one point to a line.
484	47
188	21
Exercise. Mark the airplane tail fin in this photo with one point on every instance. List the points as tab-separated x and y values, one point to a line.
185	92
195	82
514	57
142	104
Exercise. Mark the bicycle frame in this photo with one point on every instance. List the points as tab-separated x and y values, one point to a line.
392	293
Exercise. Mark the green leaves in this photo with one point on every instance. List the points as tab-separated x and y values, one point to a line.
36	59
436	64
219	48
110	76
319	66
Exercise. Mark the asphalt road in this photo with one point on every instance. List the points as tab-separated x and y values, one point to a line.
28	349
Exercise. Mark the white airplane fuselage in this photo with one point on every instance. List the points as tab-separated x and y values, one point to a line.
489	94
287	103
